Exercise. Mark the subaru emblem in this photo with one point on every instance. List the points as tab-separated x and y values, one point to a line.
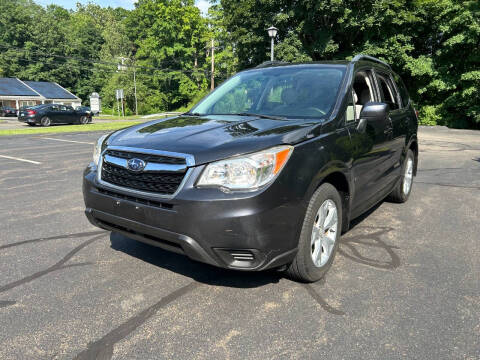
136	165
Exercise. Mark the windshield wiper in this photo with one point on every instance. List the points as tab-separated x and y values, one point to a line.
192	114
262	116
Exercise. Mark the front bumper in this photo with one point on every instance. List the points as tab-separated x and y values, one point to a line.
244	231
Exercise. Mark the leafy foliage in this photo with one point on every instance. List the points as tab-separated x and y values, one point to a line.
433	44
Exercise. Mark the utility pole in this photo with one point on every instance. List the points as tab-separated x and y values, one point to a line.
212	75
123	67
135	88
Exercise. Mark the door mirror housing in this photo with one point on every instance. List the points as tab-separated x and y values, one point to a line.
375	111
372	111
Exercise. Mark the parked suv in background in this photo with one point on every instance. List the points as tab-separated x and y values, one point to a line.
47	114
266	171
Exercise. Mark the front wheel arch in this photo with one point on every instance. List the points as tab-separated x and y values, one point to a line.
338	176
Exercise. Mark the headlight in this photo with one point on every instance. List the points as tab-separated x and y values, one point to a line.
246	172
97	150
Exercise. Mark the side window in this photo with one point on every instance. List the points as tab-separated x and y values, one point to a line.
63	108
54	108
405	98
388	92
362	91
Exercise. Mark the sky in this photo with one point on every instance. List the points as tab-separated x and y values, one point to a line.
127	4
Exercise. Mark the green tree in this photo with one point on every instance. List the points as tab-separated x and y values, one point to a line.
432	44
170	35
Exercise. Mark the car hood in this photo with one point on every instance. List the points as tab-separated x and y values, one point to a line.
214	137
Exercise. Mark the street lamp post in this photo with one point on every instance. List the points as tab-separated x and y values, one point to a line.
272	32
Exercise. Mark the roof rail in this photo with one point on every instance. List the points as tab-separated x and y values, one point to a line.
270	63
368	57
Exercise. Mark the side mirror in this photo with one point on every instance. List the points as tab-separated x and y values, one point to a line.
372	111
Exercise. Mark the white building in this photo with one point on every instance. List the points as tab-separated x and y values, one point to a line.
17	93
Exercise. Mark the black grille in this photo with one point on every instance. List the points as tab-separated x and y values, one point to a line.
142	201
162	183
147	157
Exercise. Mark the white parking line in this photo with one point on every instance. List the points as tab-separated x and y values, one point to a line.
72	141
20	159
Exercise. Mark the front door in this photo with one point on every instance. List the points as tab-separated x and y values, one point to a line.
70	114
371	147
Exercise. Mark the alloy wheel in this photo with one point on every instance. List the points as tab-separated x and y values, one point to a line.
408	176
45	121
324	233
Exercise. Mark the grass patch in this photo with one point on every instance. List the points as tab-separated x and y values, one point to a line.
69	128
117	118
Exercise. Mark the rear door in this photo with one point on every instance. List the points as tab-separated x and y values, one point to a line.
398	121
54	113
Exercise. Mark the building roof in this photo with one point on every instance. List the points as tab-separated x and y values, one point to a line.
50	90
14	87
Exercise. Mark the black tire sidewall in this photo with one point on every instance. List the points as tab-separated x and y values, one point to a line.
323	193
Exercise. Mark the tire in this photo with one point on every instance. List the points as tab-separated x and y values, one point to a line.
403	188
303	268
83	120
45	121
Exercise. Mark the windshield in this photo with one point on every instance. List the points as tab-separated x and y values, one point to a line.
307	91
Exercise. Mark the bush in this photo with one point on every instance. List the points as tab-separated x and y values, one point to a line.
430	115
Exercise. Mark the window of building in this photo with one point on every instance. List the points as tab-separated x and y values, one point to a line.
27	103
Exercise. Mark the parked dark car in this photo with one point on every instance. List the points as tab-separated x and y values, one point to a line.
7	111
265	172
47	114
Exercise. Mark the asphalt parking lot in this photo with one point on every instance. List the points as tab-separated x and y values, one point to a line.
405	283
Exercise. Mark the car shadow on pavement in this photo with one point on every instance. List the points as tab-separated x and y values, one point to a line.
181	264
369	237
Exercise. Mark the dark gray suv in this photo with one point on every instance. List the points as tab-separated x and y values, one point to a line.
266	171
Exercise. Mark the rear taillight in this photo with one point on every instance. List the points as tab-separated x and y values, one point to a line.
31	112
416	113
